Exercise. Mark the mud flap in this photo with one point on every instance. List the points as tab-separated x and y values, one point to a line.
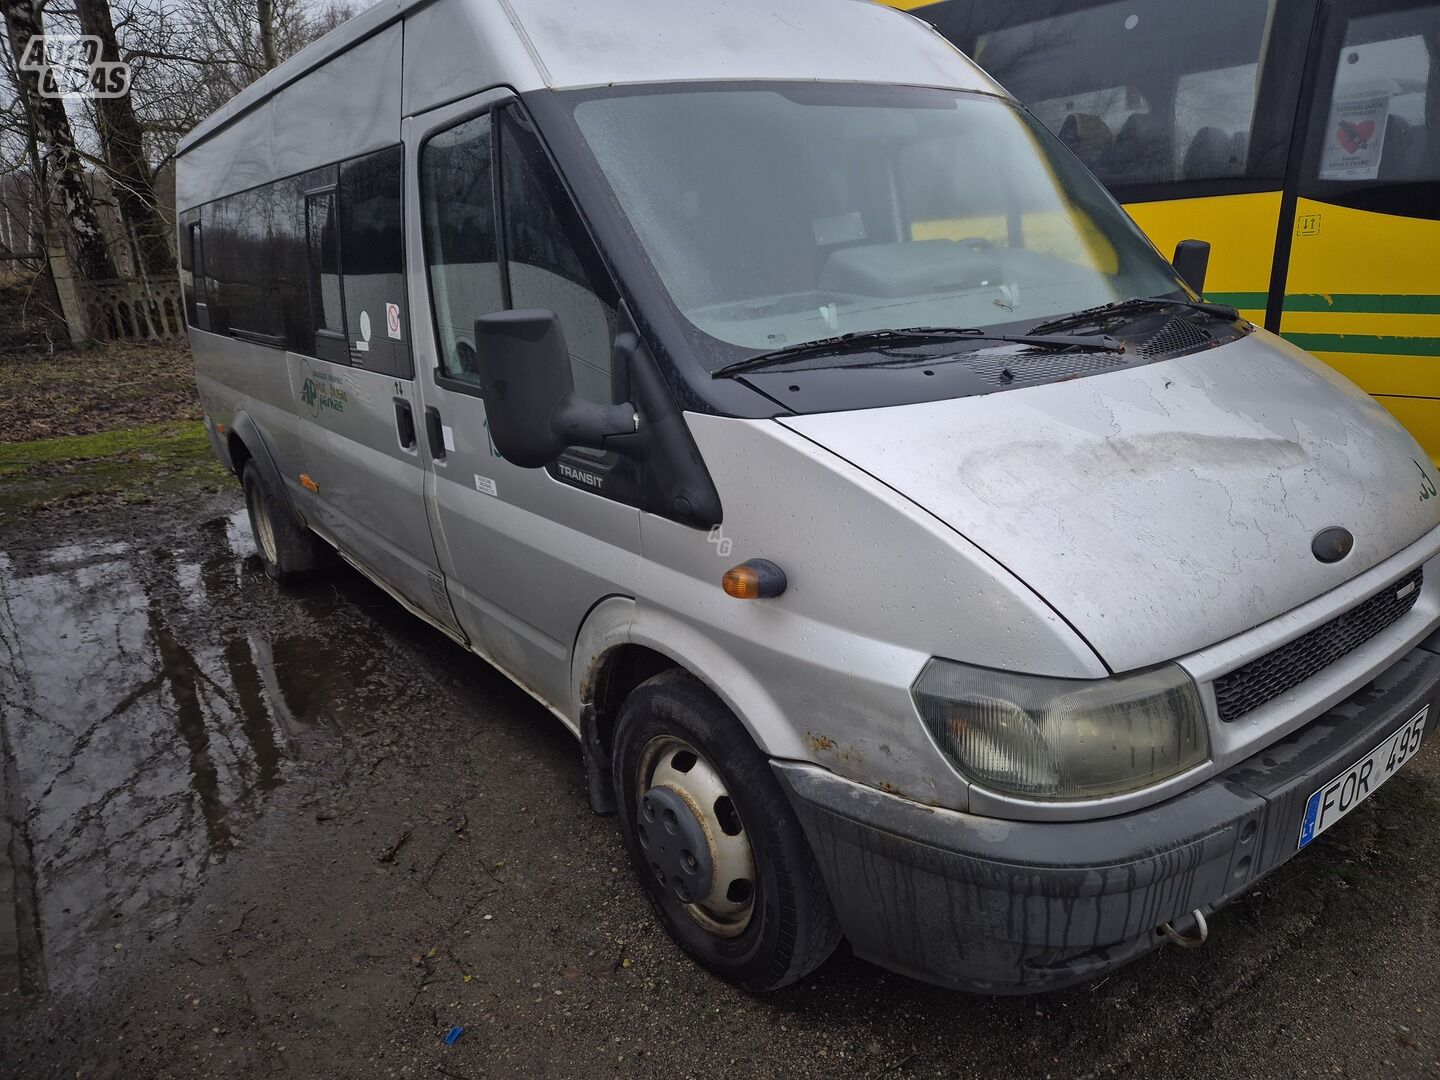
599	780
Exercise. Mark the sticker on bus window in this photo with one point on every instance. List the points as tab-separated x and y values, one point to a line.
392	320
1355	139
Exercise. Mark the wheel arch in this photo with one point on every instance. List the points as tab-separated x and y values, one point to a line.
246	443
621	644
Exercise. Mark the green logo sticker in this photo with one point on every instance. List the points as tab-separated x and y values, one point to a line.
321	391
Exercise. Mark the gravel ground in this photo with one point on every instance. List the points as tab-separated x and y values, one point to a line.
259	833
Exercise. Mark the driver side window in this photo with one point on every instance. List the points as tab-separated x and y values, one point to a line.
534	253
457	197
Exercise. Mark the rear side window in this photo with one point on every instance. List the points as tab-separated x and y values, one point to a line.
458	207
192	266
314	263
323	295
240	264
372	261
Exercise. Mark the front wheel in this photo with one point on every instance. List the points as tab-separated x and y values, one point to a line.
713	839
288	551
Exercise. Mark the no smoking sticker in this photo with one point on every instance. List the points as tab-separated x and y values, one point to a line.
392	320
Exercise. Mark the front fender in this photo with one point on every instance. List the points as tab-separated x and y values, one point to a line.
621	621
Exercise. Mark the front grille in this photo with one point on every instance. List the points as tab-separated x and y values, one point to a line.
1266	677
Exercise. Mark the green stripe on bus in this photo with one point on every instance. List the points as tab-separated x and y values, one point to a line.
1350	303
1245	301
1374	303
1364	343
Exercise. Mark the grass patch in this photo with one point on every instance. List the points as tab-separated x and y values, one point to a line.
131	464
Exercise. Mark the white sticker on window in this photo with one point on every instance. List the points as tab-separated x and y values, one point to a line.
362	346
392	320
365	325
447	434
485	484
1355	139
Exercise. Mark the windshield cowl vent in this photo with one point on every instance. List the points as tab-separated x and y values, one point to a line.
1023	369
1175	338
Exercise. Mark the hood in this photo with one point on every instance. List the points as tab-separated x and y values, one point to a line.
1163	508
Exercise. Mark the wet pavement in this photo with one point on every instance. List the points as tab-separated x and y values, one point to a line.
250	832
136	747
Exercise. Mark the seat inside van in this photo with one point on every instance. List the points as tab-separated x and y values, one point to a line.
1088	137
1212	153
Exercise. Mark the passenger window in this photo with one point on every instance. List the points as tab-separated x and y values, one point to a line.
322	245
458	206
372	260
245	291
1213	111
1174	100
192	263
1384	106
550	260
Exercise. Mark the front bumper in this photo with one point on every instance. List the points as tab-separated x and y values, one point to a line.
1014	906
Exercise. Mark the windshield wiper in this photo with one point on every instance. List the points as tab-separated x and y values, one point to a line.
1223	312
860	340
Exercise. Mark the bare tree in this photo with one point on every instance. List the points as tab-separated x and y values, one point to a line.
265	15
57	158
122	142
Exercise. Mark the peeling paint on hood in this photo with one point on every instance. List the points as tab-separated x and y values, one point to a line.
1162	508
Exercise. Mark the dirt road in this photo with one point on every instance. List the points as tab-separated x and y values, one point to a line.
259	834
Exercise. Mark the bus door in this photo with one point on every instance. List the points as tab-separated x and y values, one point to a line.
1363	285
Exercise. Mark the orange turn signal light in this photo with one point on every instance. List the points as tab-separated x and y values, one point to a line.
754	579
307	483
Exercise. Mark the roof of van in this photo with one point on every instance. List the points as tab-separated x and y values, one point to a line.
532	44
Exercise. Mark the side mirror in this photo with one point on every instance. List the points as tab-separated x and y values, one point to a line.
529	390
1192	260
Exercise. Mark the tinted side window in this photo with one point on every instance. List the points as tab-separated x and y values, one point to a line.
550	260
192	274
458	207
372	260
241	266
287	255
326	321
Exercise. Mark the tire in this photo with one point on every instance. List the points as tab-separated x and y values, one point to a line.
791	928
288	551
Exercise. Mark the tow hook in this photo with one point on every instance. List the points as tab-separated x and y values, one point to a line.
1202	932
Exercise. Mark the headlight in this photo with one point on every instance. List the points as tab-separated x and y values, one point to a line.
1044	738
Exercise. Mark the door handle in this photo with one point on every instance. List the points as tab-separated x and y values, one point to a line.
405	423
434	433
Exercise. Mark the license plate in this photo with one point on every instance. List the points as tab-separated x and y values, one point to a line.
1356	784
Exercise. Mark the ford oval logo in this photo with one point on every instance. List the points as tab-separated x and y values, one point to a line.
1332	544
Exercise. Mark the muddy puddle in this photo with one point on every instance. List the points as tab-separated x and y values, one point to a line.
148	707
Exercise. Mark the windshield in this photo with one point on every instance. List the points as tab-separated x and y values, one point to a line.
780	214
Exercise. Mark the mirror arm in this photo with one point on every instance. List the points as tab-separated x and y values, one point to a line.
581	422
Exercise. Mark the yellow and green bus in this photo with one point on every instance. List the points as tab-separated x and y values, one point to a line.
1300	137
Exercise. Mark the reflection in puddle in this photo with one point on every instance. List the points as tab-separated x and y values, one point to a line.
137	727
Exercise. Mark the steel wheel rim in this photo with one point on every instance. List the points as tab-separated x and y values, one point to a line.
671	762
264	531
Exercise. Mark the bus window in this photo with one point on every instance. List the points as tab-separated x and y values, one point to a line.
1174	99
1378	126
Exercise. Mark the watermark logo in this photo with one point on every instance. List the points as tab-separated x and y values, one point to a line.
69	66
723	544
